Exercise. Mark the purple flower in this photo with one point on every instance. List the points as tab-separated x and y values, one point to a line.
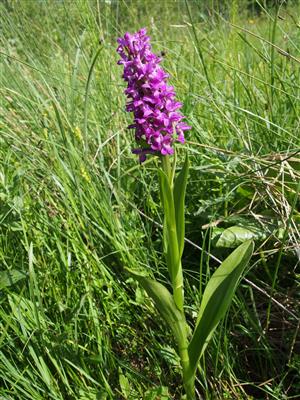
157	122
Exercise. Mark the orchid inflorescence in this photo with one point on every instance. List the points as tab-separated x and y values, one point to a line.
157	121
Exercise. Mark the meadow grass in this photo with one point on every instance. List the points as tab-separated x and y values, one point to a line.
76	207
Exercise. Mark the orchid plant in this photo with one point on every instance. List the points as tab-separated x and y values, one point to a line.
158	125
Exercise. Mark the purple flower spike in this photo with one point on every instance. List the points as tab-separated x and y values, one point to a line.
157	122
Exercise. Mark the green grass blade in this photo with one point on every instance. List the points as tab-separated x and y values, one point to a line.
86	96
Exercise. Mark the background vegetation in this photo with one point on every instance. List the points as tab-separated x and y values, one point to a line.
75	206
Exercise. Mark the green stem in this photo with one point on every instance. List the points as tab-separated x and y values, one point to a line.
188	376
173	257
166	166
175	270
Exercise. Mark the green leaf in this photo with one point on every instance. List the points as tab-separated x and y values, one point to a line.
236	235
165	304
171	357
10	277
169	228
166	192
170	239
217	298
161	393
179	197
124	384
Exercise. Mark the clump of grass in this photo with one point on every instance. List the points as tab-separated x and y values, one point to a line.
76	208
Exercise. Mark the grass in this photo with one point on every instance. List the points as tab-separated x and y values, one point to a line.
76	207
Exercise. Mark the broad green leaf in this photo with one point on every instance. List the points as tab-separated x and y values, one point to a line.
179	197
124	384
10	277
217	298
236	235
171	357
165	304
